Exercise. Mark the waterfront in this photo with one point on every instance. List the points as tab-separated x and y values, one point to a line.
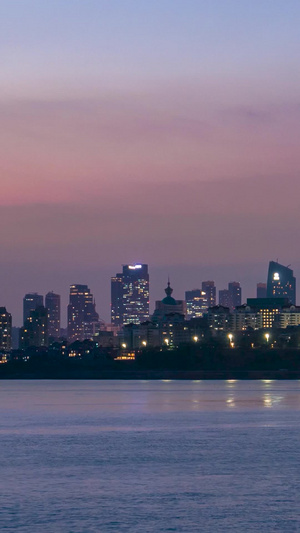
132	456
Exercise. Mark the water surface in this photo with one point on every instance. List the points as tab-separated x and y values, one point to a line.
137	456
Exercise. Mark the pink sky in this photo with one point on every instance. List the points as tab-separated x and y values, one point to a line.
155	134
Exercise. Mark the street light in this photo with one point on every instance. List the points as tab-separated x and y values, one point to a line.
167	342
123	345
144	343
195	339
267	336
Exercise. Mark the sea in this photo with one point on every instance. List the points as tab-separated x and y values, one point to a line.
149	456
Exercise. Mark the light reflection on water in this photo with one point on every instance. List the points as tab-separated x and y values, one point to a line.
186	456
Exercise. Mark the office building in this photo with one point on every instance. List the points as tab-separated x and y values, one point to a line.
210	290
281	282
52	303
196	303
225	298
30	302
117	300
218	318
261	290
82	314
268	309
235	292
231	297
5	329
289	317
130	295
35	329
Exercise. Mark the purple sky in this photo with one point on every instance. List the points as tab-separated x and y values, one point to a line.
164	132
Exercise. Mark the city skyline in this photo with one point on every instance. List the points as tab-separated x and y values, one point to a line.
156	282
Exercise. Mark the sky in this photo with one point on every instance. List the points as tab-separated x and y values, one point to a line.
163	132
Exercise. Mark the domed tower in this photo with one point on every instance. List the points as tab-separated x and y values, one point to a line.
168	300
168	306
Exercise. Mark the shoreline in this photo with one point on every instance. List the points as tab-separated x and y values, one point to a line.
178	375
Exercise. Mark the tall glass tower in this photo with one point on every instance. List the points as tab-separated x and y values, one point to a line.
281	282
130	295
82	314
52	303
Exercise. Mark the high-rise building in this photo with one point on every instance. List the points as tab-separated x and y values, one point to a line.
224	298
210	290
130	295
30	302
35	329
117	300
231	297
196	303
52	303
5	329
235	292
82	314
281	282
261	290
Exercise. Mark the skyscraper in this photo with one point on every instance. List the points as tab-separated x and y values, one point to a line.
196	303
31	301
117	300
235	292
224	298
5	329
52	303
281	282
82	314
261	290
35	329
130	295
231	297
210	290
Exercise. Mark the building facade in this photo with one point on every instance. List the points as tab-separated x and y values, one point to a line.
31	301
281	282
35	330
196	303
235	292
130	295
211	292
82	314
261	290
5	329
224	298
52	303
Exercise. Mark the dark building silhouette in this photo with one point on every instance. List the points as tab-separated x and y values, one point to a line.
52	303
196	303
35	329
117	300
31	301
235	292
261	290
225	298
281	282
169	316
231	297
130	295
210	290
82	314
5	329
